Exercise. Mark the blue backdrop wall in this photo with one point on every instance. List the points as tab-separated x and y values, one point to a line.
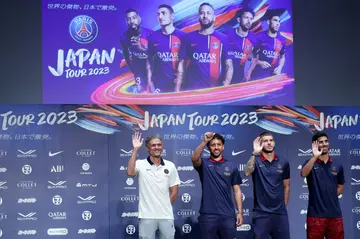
63	167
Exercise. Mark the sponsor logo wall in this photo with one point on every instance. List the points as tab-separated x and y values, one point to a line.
63	167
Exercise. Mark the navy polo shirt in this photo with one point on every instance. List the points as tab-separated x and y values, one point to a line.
268	178
322	185
217	179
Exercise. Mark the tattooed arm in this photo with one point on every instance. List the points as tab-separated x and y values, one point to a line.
250	166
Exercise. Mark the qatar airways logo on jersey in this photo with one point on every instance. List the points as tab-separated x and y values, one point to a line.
270	54
139	55
237	54
205	57
168	56
72	64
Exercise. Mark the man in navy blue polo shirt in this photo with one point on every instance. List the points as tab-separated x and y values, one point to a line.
271	178
325	179
219	177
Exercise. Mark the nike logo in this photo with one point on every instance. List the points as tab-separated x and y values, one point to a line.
357	181
56	153
236	153
193	44
148	169
156	44
127	152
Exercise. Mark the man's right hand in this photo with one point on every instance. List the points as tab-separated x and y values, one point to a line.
208	136
137	141
264	64
315	149
258	146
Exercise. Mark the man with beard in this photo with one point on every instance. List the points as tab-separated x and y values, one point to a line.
269	49
219	177
134	43
325	180
163	55
206	51
241	45
271	178
158	188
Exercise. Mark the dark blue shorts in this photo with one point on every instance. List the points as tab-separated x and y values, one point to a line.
268	224
216	226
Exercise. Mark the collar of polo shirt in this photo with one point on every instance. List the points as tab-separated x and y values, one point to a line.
320	161
219	161
151	163
262	157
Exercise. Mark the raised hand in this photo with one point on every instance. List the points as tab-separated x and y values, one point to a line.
315	149
208	136
137	141
257	145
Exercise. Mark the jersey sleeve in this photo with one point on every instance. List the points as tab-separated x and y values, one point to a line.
283	48
151	48
184	48
236	178
340	176
137	167
303	166
227	47
174	177
286	173
257	44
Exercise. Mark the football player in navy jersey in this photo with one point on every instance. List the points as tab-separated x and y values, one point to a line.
163	59
219	178
271	177
134	43
325	180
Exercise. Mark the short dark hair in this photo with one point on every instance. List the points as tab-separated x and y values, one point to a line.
273	15
151	137
243	10
167	7
206	4
318	135
265	133
216	136
131	10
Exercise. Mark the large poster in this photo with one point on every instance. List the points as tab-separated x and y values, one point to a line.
63	167
182	52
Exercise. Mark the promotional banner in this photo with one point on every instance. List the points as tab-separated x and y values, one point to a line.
63	167
182	52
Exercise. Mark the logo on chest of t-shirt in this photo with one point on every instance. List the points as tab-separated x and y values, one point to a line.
168	56
280	168
166	171
139	55
205	57
270	54
334	172
238	54
227	171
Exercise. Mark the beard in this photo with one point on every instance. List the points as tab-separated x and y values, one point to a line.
134	30
206	25
268	151
272	30
324	151
244	28
212	155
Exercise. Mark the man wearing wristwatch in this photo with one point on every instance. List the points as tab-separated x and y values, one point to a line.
271	177
219	177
